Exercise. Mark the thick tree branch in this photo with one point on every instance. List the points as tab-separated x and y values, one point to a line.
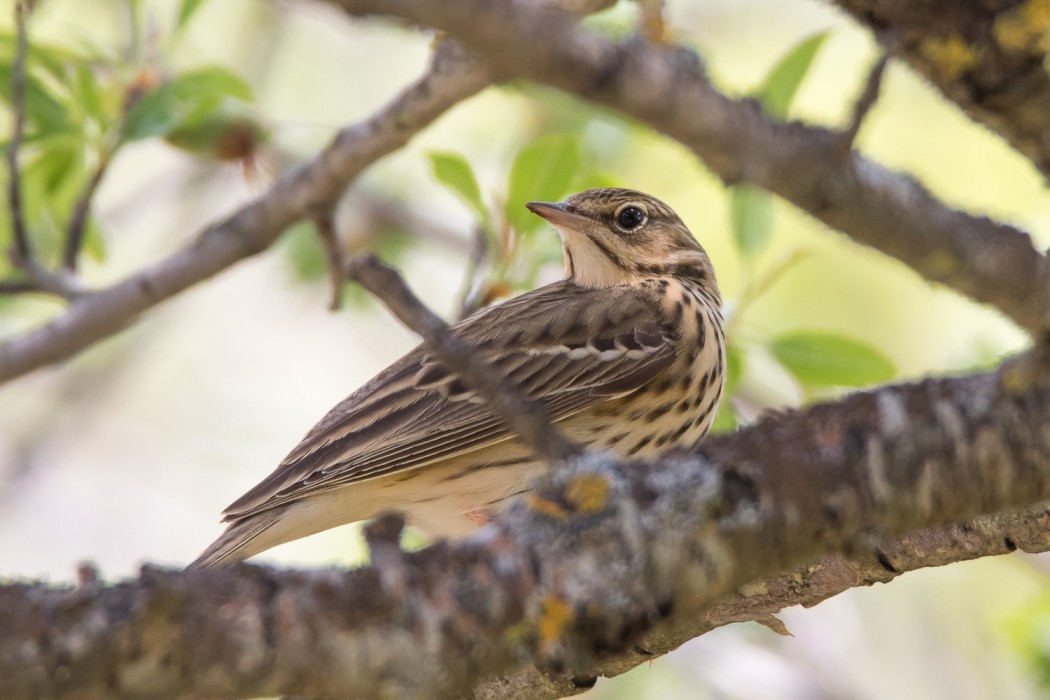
525	417
596	557
301	192
989	58
667	89
1026	529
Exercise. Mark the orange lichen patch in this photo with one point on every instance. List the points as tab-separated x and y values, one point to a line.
1023	29
951	55
555	617
588	493
940	264
1015	379
548	508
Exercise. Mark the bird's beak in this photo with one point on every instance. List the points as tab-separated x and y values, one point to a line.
557	213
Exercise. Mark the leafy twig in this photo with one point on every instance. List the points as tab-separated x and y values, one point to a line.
78	222
333	254
16	286
300	193
22	251
868	96
479	251
40	279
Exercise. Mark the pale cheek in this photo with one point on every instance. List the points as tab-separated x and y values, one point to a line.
592	267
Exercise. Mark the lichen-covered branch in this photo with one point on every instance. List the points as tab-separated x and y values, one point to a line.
596	558
989	58
667	89
1027	529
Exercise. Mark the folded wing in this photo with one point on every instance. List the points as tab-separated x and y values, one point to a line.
567	346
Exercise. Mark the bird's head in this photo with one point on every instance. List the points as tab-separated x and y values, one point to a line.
614	236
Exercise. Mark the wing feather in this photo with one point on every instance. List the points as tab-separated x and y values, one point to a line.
565	345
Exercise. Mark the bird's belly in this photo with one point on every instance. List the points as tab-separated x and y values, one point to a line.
673	411
447	499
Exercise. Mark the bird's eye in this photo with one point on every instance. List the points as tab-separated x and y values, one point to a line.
630	217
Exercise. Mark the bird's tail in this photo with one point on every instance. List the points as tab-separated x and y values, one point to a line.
240	541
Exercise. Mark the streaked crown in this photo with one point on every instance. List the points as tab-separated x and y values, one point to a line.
615	236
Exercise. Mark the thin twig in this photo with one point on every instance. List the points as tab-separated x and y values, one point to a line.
78	222
22	251
16	286
333	254
382	212
38	278
652	25
479	252
863	105
524	416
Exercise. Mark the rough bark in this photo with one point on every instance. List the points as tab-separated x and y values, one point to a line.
667	89
606	565
988	57
598	556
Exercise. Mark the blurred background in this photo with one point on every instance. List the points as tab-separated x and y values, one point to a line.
129	453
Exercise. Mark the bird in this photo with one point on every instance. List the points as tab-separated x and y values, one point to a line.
626	353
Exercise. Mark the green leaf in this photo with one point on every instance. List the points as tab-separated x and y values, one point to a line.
725	420
57	170
751	218
94	240
751	209
45	113
186	11
454	172
209	85
156	113
304	252
779	88
87	94
186	98
734	368
228	133
542	170
595	179
828	359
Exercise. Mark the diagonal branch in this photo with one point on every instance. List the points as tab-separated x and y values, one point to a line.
670	538
307	191
525	417
81	213
667	89
452	77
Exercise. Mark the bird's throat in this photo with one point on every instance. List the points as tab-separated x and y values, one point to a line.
589	265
